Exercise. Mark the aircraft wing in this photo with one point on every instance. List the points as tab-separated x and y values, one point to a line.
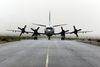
25	31
41	33
84	31
67	32
57	33
13	30
33	32
20	31
59	25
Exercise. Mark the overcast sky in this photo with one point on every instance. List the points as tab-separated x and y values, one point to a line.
84	14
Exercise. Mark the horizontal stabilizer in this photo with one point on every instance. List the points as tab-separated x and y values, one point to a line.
59	25
39	24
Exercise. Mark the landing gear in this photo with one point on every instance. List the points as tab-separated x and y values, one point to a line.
62	38
35	38
49	38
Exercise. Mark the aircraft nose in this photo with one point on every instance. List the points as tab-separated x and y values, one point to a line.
49	30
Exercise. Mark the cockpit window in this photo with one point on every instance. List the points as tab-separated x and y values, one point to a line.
49	28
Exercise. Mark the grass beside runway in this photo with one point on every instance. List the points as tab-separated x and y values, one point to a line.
4	39
88	40
92	42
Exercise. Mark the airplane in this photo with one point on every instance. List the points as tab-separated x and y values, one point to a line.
49	30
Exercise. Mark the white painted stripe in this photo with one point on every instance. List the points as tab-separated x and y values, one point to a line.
47	59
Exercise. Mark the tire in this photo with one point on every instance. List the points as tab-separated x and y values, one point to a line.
62	38
35	38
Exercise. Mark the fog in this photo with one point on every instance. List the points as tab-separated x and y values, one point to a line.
84	14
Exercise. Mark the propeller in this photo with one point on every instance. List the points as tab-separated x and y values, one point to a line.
22	30
75	31
63	31
35	31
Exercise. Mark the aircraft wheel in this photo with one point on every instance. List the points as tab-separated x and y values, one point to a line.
62	38
48	38
35	38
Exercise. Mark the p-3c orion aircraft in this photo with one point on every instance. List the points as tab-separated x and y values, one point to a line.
49	30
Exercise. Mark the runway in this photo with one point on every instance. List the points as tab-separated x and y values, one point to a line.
45	53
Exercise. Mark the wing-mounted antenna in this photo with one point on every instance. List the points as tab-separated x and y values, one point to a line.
49	18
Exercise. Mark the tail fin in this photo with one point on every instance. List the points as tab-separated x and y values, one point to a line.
49	18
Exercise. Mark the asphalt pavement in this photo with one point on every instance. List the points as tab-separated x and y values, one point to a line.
49	53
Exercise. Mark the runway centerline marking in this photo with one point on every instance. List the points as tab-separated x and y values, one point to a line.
47	59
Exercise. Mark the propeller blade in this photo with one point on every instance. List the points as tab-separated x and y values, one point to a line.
19	28
38	28
61	28
71	32
76	35
32	35
74	27
20	33
79	30
26	32
66	30
24	26
32	29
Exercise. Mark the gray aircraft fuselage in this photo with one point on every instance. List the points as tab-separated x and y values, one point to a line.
49	31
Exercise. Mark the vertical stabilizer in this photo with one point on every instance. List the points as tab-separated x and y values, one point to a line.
49	18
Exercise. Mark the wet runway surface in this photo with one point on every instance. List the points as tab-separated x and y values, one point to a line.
45	53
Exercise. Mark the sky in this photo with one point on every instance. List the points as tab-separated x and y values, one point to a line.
84	14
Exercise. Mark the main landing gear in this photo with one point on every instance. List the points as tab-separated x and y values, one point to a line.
62	38
49	38
35	38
